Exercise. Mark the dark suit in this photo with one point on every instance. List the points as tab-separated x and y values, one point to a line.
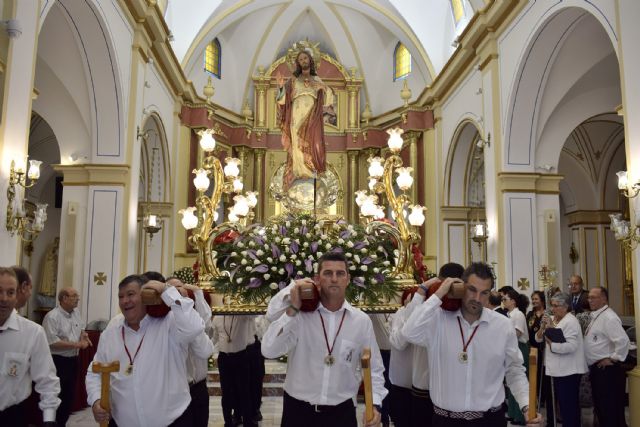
581	303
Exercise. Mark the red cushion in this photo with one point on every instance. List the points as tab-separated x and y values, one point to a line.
448	304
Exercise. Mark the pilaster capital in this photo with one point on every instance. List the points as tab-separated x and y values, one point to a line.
94	174
519	182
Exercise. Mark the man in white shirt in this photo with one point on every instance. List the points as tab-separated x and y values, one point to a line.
324	347
25	286
471	351
197	367
24	357
606	345
66	336
231	336
151	387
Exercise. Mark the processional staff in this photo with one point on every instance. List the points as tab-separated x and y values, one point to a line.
105	370
365	362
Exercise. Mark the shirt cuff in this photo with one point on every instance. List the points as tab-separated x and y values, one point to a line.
171	295
48	415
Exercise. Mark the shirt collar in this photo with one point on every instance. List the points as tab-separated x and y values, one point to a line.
12	322
65	313
484	317
143	323
600	310
345	306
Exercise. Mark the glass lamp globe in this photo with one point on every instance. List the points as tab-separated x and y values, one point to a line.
404	179
34	169
376	170
395	139
623	180
201	181
207	141
189	220
231	169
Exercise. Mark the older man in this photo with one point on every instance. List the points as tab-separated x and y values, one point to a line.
66	336
151	388
323	348
579	296
25	286
606	345
24	358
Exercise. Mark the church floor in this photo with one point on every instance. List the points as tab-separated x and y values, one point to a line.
271	412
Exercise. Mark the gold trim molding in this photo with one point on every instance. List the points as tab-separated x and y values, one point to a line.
515	182
462	213
588	218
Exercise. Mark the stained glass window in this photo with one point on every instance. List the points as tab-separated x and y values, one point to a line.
458	10
212	58
401	62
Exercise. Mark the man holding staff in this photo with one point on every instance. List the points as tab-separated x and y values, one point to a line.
151	387
471	351
324	347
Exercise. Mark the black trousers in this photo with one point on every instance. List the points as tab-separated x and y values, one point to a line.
608	388
15	416
199	405
296	413
421	408
491	419
234	383
568	396
184	420
67	370
256	375
400	406
386	402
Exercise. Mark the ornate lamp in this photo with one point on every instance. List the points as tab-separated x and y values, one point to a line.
18	222
629	189
625	233
480	235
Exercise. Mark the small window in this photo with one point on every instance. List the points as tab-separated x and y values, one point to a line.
212	58
401	62
458	10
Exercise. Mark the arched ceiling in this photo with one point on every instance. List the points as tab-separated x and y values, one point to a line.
358	33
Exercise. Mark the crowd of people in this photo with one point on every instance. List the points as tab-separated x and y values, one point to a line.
440	360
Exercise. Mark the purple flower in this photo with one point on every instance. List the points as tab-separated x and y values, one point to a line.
366	261
252	254
275	251
233	272
314	246
261	268
283	230
289	268
359	245
345	234
337	250
259	240
379	277
282	285
254	283
294	247
309	265
359	281
303	230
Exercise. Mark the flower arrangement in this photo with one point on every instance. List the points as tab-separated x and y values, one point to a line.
265	258
186	275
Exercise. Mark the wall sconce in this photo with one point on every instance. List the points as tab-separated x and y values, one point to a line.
481	143
479	234
627	188
18	221
13	28
151	224
624	232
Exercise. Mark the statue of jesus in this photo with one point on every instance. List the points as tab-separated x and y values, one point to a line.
301	101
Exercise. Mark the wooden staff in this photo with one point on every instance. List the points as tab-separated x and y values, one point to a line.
533	383
365	362
105	370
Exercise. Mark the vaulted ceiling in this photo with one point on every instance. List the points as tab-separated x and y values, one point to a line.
358	33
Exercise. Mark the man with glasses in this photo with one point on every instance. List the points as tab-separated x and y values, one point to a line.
579	296
66	336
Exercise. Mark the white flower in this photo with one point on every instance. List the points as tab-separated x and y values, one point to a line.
308	235
282	258
298	262
240	245
266	246
349	244
296	230
340	241
274	228
356	258
300	273
281	271
363	267
380	249
328	246
364	250
248	268
274	268
266	276
252	243
239	280
234	254
348	254
373	256
303	222
286	241
214	254
269	260
297	241
373	281
376	270
288	223
259	252
353	267
277	239
350	227
315	266
386	263
324	236
233	264
256	261
319	254
273	285
286	249
243	253
243	261
305	245
396	252
293	256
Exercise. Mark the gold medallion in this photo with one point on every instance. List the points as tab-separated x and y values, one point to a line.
129	369
463	357
329	360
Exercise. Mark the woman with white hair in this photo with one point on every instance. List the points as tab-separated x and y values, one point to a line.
564	357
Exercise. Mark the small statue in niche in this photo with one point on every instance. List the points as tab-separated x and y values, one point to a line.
573	254
49	275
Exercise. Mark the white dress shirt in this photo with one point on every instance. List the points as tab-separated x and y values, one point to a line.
232	334
25	357
567	358
519	322
301	337
401	360
201	348
493	354
605	337
156	392
418	366
60	325
381	330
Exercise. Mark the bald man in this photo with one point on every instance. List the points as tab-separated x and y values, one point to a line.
66	336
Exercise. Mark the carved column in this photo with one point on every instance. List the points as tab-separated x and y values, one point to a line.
412	140
353	84
243	154
353	185
259	184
